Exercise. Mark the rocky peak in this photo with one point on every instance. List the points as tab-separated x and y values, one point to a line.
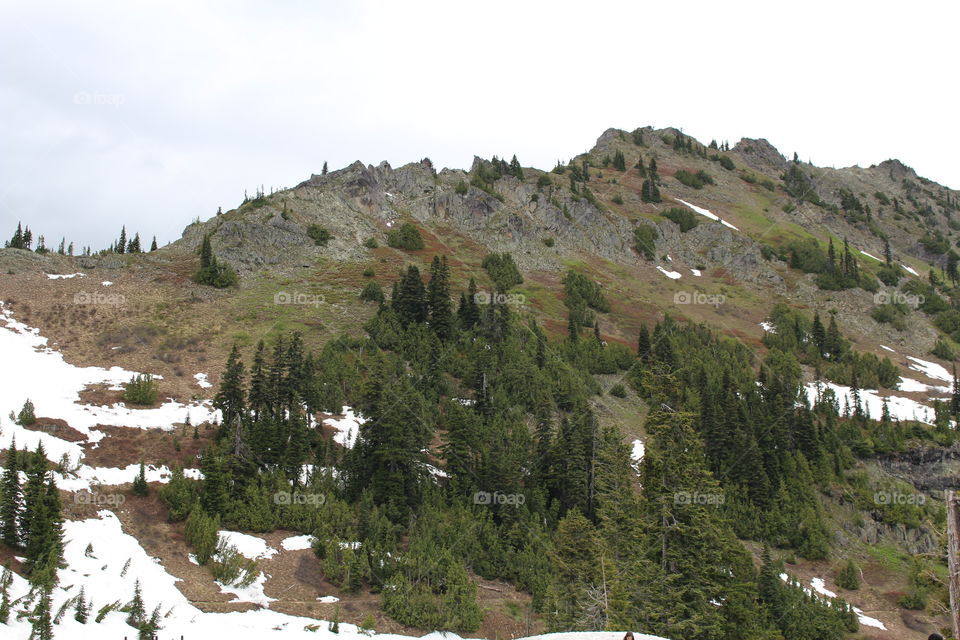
760	154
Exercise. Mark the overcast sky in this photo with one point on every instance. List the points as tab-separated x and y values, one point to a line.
152	114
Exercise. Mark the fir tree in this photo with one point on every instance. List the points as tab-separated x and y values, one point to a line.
41	623
140	486
11	500
438	299
644	349
153	245
121	245
6	580
82	607
230	397
136	611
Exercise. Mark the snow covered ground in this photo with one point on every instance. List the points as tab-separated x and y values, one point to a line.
872	403
930	369
707	214
870	255
297	543
910	270
819	586
108	573
347	427
42	375
673	275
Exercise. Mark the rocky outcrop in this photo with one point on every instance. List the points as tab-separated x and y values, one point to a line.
760	155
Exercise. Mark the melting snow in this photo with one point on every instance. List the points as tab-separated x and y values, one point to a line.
707	213
106	283
202	381
249	546
636	454
347	427
673	275
768	327
57	276
870	255
872	403
883	346
930	369
54	386
297	543
909	269
696	272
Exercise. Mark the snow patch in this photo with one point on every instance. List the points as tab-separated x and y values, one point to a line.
202	381
930	369
707	214
57	276
297	543
249	546
696	272
870	255
106	283
673	275
768	327
872	403
347	427
883	346
909	270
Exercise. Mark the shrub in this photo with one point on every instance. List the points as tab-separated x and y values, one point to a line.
890	275
231	568
696	180
649	191
683	217
849	577
893	314
548	241
406	237
942	349
27	415
211	271
544	181
319	234
461	188
502	270
201	534
581	290
617	199
373	292
371	243
140	486
618	390
142	390
369	272
645	240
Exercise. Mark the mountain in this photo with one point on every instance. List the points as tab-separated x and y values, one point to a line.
729	258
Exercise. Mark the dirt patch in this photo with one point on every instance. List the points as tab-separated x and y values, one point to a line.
123	446
58	428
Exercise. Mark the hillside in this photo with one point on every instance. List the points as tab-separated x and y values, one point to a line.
728	252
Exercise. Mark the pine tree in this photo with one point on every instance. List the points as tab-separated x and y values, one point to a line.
819	334
17	241
230	397
134	245
644	349
410	301
469	312
11	500
140	486
153	245
438	299
41	623
6	580
82	607
323	171
619	161
136	611
258	398
121	246
148	628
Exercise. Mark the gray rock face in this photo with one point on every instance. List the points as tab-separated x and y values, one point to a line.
760	155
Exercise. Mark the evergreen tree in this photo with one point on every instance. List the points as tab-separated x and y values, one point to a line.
819	334
153	245
17	241
230	397
438	299
6	580
468	311
258	398
323	171
644	349
410	302
136	611
11	500
121	245
134	245
41	623
140	486
82	607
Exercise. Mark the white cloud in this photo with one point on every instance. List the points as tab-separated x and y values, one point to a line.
191	104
